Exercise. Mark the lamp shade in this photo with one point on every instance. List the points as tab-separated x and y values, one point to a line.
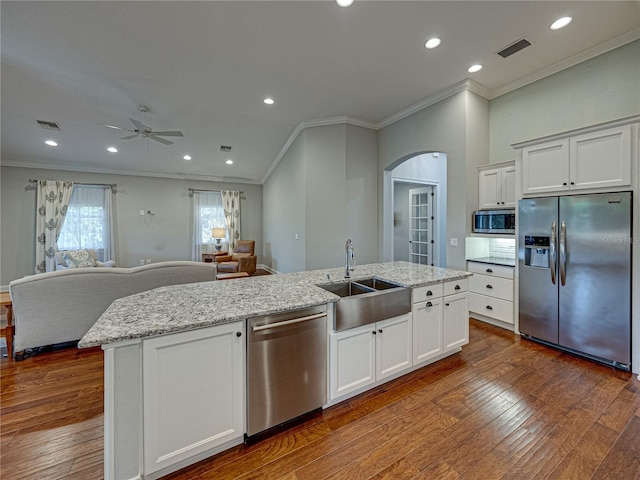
218	232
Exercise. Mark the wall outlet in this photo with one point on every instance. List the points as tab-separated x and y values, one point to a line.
453	242
142	213
142	262
148	261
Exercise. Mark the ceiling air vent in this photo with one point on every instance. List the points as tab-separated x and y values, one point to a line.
514	47
225	148
49	125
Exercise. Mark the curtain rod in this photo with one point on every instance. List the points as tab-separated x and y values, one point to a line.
110	185
194	190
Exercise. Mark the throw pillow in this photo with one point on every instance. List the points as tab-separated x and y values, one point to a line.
79	259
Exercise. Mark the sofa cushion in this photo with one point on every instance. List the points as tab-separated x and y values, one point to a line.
79	259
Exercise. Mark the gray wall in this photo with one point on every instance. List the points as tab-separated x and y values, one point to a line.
284	201
442	127
164	236
329	175
604	88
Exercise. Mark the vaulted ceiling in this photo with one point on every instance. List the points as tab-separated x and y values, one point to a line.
204	68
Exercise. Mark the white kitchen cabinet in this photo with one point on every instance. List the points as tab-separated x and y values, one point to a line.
491	292
363	355
440	319
497	187
455	314
393	346
193	399
599	159
427	330
353	359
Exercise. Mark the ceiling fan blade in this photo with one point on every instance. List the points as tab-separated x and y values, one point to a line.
169	134
112	126
158	139
130	137
139	125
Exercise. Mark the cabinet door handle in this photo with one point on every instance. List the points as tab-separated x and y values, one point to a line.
446	304
564	183
489	287
429	293
374	332
429	304
380	330
488	270
238	334
489	307
457	287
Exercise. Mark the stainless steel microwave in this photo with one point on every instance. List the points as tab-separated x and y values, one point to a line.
495	221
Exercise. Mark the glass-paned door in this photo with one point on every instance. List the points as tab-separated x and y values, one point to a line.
422	234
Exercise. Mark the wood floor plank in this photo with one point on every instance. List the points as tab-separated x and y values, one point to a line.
502	408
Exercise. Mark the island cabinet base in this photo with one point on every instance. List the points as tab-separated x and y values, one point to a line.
173	400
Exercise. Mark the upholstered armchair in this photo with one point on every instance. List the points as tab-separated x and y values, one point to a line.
242	259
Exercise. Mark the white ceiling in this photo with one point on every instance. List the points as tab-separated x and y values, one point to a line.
205	67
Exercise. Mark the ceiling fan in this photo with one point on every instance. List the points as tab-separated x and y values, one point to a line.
141	130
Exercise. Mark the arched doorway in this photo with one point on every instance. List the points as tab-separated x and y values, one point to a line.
415	205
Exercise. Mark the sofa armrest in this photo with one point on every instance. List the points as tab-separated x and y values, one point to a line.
247	264
223	258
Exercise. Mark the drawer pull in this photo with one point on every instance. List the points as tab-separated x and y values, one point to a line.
429	304
489	270
489	307
429	293
489	287
457	287
446	304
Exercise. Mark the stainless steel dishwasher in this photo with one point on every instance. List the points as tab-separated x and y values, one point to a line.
286	367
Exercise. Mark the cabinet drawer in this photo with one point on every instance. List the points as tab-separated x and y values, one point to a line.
456	286
491	307
489	269
427	292
492	286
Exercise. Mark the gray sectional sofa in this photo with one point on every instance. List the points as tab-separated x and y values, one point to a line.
59	307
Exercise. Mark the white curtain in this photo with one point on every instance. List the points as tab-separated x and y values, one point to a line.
52	203
231	201
207	214
89	222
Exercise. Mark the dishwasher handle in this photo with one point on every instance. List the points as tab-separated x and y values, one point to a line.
257	328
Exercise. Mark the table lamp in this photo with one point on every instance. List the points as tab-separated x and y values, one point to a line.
218	234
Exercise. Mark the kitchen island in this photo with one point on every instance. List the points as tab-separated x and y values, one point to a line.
181	350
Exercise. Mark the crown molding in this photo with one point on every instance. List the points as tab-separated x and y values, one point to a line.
132	173
568	62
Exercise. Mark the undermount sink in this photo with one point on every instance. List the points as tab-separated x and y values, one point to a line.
367	301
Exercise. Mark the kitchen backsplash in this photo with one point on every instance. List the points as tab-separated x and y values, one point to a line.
502	247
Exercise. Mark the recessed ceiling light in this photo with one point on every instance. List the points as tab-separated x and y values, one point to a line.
51	143
432	42
474	68
229	162
187	157
560	23
344	3
269	101
112	149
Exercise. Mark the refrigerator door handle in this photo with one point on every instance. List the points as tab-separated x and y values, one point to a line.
563	253
552	253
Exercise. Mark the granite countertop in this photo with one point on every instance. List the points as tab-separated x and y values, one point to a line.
185	307
508	262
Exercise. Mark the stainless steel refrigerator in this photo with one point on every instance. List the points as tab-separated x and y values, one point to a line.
574	256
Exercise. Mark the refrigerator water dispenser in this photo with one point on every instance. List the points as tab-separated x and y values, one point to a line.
536	251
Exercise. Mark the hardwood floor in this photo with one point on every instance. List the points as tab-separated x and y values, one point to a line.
503	408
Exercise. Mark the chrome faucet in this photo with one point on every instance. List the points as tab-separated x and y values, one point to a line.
348	255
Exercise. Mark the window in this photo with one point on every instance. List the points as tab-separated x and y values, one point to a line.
88	223
208	213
